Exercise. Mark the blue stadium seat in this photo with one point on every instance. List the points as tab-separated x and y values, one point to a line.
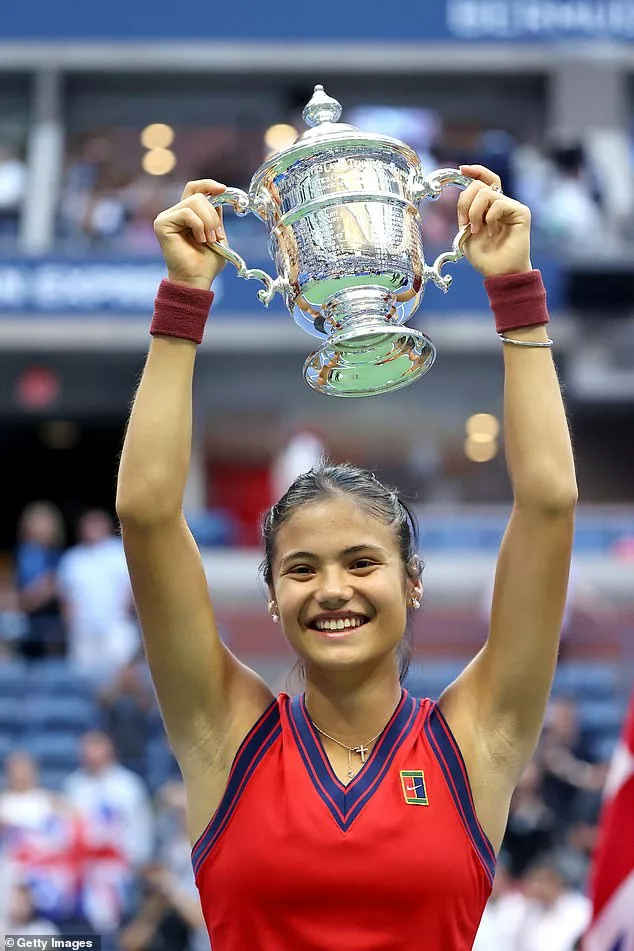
46	713
51	777
603	746
11	716
430	679
161	764
587	680
604	717
54	750
13	678
60	679
6	747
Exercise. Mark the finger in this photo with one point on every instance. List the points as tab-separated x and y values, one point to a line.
209	214
480	206
203	186
501	209
465	201
181	218
482	174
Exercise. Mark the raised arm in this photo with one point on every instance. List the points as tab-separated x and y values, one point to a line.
498	704
206	696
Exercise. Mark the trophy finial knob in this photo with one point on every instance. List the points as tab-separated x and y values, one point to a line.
321	108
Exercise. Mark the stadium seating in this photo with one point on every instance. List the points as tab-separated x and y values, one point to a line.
54	713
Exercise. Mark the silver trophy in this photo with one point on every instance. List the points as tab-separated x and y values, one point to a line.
341	208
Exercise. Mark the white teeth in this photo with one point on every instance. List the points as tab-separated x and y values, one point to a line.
338	624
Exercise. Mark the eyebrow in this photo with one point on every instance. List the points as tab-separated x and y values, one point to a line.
355	549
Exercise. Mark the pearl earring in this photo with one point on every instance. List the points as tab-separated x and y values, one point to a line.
274	618
415	604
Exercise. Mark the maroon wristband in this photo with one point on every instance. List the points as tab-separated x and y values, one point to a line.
517	300
180	311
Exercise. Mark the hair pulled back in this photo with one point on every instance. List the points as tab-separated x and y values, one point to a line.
330	480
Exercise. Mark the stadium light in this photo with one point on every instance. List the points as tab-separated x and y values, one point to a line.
480	451
157	136
483	427
159	161
280	136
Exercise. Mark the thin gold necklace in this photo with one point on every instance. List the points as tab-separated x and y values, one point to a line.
361	750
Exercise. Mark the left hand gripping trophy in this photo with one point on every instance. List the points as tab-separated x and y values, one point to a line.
341	210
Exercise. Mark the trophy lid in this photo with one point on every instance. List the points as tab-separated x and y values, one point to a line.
326	133
322	114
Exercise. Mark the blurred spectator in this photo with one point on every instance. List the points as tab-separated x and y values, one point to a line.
22	917
173	846
174	850
575	854
97	600
169	919
112	798
144	198
302	452
503	914
12	188
570	214
127	704
24	804
27	812
567	761
43	848
14	623
555	916
623	548
118	829
531	825
91	208
38	553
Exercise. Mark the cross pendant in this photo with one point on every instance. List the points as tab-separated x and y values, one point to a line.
361	750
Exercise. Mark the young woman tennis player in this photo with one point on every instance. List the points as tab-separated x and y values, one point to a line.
352	816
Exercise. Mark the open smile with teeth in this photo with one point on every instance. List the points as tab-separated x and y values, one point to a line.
339	624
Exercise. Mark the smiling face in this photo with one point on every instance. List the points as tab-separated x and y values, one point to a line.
340	586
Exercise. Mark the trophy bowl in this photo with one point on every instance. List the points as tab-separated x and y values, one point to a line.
341	208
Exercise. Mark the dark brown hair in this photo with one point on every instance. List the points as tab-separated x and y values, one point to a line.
362	486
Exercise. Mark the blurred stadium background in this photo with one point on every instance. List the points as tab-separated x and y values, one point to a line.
105	113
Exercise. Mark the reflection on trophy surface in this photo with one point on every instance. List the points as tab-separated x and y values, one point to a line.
341	209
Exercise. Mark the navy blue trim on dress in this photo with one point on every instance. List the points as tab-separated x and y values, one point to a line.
447	752
258	740
346	802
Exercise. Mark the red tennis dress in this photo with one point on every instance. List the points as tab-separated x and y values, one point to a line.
293	860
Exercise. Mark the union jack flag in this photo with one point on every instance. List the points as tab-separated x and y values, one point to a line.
612	882
72	867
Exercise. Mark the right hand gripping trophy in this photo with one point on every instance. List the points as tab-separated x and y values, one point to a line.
341	210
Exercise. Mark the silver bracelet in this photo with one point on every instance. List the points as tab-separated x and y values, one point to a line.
526	343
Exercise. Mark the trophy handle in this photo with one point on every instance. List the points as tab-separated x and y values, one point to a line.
431	187
241	204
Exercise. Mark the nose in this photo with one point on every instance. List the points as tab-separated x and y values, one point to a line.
334	588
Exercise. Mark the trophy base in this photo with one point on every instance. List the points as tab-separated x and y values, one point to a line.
357	363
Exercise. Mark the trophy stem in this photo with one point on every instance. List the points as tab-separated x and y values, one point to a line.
359	312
